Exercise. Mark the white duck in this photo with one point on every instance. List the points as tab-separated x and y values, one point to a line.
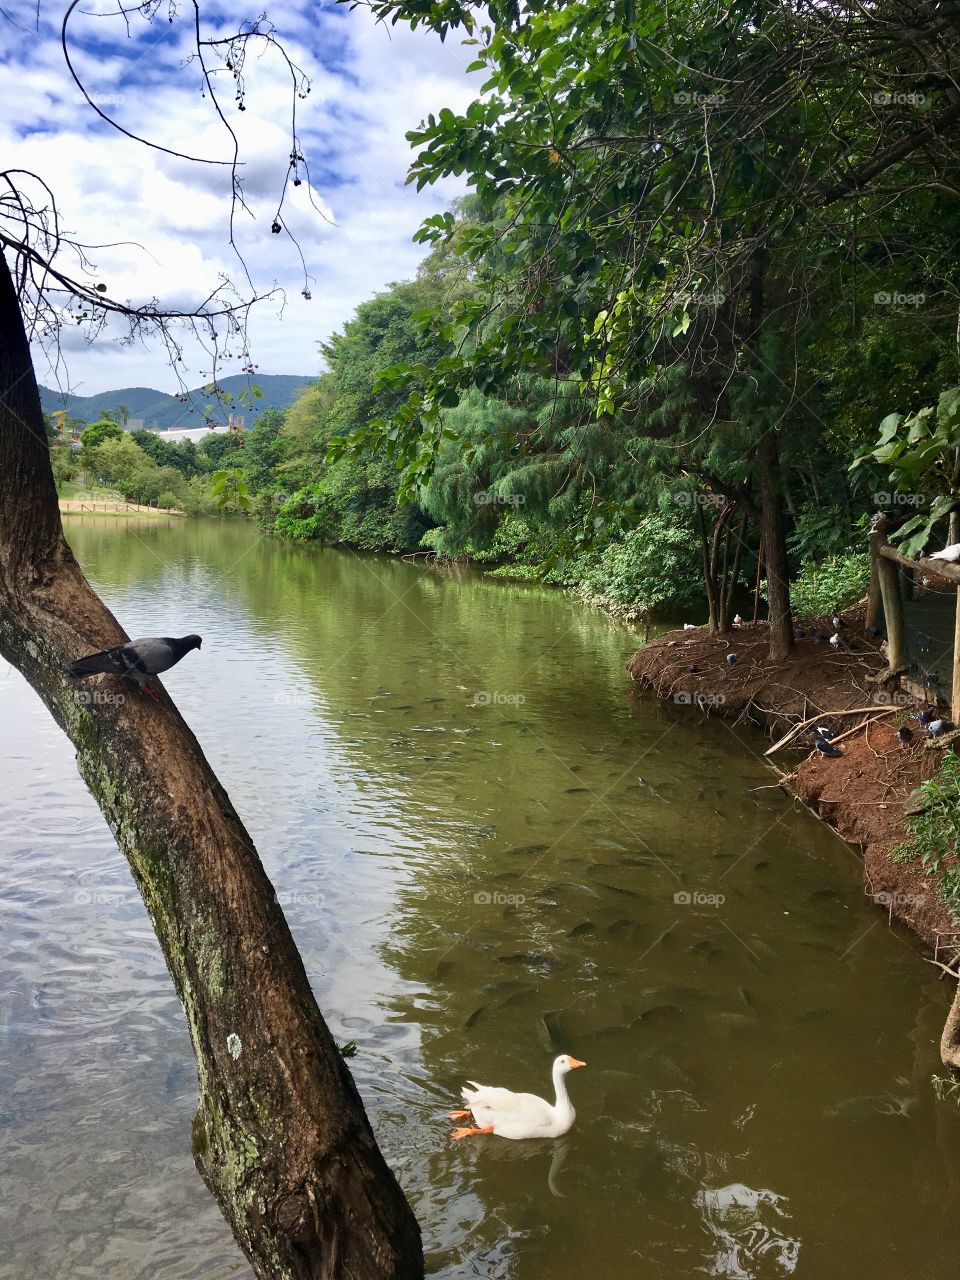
519	1115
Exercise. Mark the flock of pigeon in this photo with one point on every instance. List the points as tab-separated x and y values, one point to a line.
821	736
927	722
838	640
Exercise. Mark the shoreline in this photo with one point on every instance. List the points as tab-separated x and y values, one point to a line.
863	796
77	507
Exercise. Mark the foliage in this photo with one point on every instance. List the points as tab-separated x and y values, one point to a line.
947	1088
922	451
831	584
97	432
229	490
934	834
653	565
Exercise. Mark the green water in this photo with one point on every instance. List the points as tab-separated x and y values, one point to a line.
483	841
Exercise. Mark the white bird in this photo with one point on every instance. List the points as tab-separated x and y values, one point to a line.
519	1115
689	626
951	554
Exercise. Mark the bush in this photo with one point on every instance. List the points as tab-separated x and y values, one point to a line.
656	563
831	584
168	499
934	835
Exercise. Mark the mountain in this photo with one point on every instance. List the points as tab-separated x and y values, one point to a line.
157	409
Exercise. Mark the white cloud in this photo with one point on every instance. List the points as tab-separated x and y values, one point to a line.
371	83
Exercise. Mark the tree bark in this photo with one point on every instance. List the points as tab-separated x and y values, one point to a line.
775	545
280	1135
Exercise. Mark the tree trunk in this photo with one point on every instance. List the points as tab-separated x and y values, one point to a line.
775	545
950	1039
280	1135
713	622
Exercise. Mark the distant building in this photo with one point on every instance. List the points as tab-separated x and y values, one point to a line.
134	424
235	422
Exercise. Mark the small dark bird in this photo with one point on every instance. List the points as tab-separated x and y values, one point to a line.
924	716
826	748
799	633
821	731
936	728
694	671
837	621
904	735
138	660
817	636
731	659
875	632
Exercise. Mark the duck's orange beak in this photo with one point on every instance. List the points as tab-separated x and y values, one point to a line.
575	1062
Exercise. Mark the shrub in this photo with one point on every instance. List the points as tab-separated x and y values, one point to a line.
831	584
656	563
934	835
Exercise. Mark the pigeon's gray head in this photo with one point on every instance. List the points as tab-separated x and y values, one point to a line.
191	642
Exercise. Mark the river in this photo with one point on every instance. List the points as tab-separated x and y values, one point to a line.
489	851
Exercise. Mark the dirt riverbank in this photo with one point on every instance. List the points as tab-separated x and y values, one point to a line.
864	794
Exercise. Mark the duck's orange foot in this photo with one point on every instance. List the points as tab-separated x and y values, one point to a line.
460	1115
470	1133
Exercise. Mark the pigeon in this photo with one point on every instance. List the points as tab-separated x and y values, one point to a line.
137	660
689	626
737	620
826	748
731	659
949	554
936	728
875	632
798	633
838	622
840	641
693	669
821	731
817	636
904	735
924	716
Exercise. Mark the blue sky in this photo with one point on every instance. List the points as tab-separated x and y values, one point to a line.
370	84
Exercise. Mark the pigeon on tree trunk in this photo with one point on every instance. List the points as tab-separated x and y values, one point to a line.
138	660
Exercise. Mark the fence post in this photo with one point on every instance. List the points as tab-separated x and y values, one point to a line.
873	594
889	576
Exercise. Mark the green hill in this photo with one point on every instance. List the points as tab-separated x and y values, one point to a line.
157	409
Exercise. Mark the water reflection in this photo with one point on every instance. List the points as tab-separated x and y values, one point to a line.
475	885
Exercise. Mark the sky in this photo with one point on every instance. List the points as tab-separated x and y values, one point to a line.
369	84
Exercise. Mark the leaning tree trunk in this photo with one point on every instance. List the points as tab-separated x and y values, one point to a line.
280	1135
950	1038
